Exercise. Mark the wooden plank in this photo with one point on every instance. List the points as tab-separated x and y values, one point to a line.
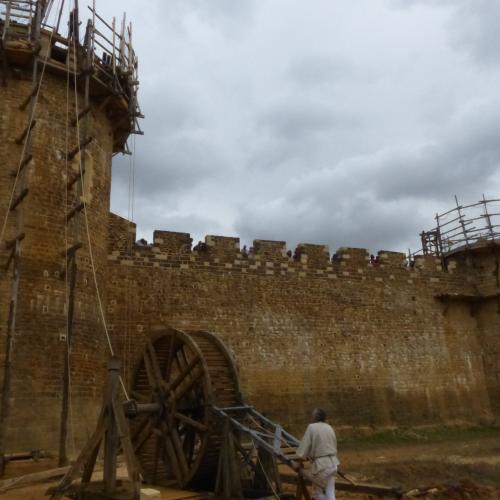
343	485
35	477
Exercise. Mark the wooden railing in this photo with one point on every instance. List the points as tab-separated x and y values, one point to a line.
463	226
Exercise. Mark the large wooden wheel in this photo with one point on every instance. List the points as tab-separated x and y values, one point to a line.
184	374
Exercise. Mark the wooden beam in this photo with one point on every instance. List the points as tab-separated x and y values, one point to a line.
12	243
75	179
19	199
24	162
80	115
25	132
75	210
79	147
72	249
26	101
35	477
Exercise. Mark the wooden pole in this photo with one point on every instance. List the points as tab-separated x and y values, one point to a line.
63	436
16	274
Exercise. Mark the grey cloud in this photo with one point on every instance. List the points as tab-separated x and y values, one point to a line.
373	200
475	28
472	27
365	223
292	119
177	164
318	69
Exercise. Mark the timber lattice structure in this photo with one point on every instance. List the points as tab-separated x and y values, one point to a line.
29	31
461	228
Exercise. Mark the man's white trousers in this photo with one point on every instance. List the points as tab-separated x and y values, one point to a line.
326	477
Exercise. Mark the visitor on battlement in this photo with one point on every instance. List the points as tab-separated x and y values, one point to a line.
335	258
142	242
319	445
289	254
244	251
200	246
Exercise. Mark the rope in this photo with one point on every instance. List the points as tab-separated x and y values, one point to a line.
130	211
30	123
91	253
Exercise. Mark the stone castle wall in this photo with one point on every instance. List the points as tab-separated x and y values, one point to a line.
377	346
38	348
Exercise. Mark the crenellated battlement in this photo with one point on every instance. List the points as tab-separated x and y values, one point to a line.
171	249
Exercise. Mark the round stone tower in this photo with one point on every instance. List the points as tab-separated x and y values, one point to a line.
64	112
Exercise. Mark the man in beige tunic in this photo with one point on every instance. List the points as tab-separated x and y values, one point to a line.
319	445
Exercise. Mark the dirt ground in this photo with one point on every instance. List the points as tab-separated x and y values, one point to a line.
457	466
462	465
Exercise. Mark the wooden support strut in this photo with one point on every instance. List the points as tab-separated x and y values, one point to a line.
79	147
23	164
33	92
112	432
81	114
13	245
75	179
25	132
19	199
75	210
72	249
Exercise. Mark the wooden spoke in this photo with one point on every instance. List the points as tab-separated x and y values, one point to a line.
188	443
158	448
169	447
186	388
142	435
149	371
184	373
179	451
171	354
155	364
183	356
189	421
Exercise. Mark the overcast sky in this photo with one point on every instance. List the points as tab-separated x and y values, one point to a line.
343	122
